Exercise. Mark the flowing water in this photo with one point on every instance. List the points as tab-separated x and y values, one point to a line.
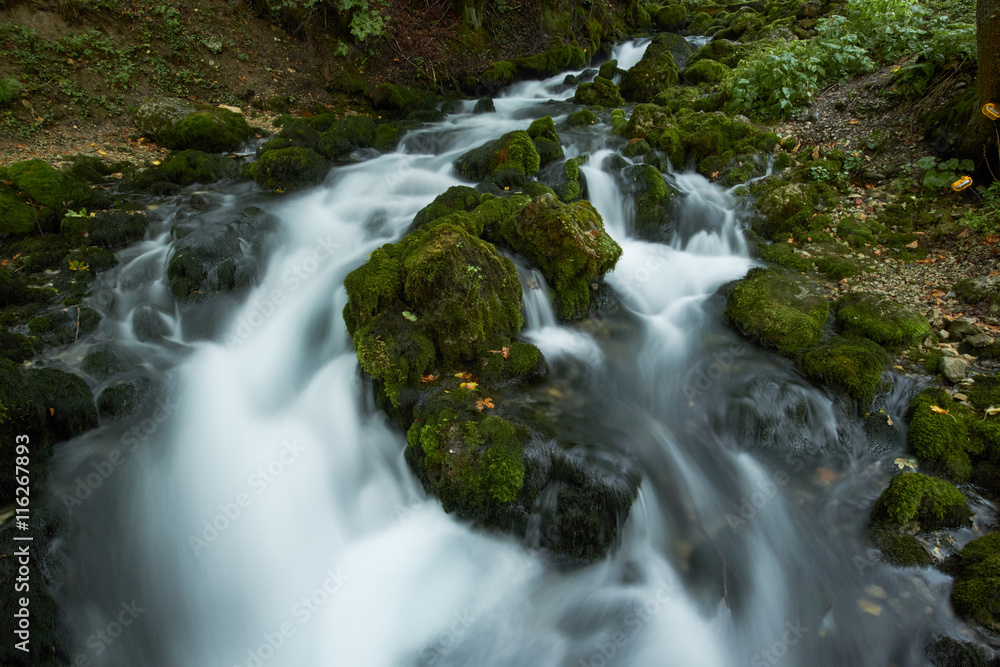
263	513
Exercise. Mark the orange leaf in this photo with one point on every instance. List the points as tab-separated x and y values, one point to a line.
428	378
471	386
939	410
52	412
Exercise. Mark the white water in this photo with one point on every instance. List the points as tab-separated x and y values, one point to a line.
325	550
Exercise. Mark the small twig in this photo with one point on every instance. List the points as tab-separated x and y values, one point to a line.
77	335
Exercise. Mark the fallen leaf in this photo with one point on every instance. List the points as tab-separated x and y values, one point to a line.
410	316
938	409
52	412
815	153
992	410
485	403
938	293
869	607
471	386
464	376
428	378
902	462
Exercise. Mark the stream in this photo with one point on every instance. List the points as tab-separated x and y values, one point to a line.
260	512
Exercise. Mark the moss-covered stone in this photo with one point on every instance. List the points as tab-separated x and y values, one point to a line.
506	161
901	550
976	593
557	59
884	321
852	364
785	208
986	392
671	18
565	179
719	50
582	118
705	71
191	166
654	72
51	188
929	502
394	97
498	74
939	434
601	92
568	244
546	140
700	23
182	124
608	70
440	295
484	105
288	169
106	229
772	309
653	201
16	216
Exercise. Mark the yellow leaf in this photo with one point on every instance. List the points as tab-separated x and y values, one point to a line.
52	412
992	410
156	163
471	386
939	410
869	607
906	463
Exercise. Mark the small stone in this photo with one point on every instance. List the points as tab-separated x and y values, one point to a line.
929	342
980	340
953	368
959	329
944	335
960	397
949	352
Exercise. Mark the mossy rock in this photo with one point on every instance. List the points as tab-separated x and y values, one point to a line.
976	593
51	188
484	105
288	169
671	18
986	392
700	23
718	50
837	268
785	208
607	71
601	92
498	74
485	215
568	244
654	72
582	118
653	201
192	166
884	321
394	97
851	364
939	434
557	59
506	161
181	124
636	147
471	463
901	550
205	264
565	179
17	218
705	71
102	363
457	198
107	229
440	295
928	502
546	141
776	311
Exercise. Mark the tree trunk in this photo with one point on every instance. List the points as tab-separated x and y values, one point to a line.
981	140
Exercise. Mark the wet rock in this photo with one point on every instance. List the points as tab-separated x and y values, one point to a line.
954	369
945	651
705	71
506	161
653	201
977	570
484	105
655	71
882	320
961	328
608	69
288	169
980	340
851	364
601	92
545	139
927	502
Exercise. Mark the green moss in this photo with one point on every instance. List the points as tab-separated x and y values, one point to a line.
16	216
568	243
719	50
608	70
499	74
901	550
653	201
582	118
671	18
976	593
508	160
438	294
853	365
784	254
837	268
931	502
654	72
557	59
49	187
484	105
545	139
601	92
785	208
886	322
181	124
455	199
705	71
939	434
986	392
523	359
394	97
771	309
288	169
191	166
568	186
470	463
700	23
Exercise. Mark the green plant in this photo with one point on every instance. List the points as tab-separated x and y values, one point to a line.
986	218
10	89
937	175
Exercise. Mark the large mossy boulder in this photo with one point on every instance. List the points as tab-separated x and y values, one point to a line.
601	92
653	201
439	296
976	593
53	191
17	218
785	208
719	50
506	161
546	140
884	321
773	309
569	245
654	72
849	363
288	169
182	124
918	502
671	18
557	59
939	434
705	71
